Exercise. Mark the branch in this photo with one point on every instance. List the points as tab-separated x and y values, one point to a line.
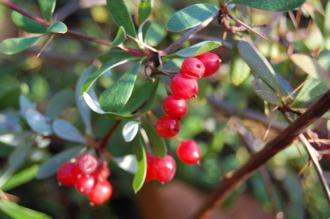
14	7
229	183
104	141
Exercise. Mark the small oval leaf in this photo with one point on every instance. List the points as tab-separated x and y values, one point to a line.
15	45
265	92
130	130
145	9
27	24
38	122
50	167
67	131
198	49
191	16
60	101
57	27
47	8
141	171
127	163
271	5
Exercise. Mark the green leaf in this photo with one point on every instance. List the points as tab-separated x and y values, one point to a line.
57	27
47	8
85	112
27	24
271	5
115	97
38	122
67	131
259	65
130	130
312	89
15	45
115	58
121	15
127	163
50	167
60	101
21	177
155	34
310	66
18	212
141	171
145	9
158	144
191	16
265	92
198	49
239	71
120	37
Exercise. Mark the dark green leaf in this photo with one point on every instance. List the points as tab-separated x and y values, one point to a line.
15	45
18	212
145	9
18	157
259	65
158	144
47	8
271	5
38	122
121	15
57	27
198	49
115	97
67	131
49	168
115	58
155	34
311	90
191	16
141	171
60	101
21	177
265	92
120	37
27	24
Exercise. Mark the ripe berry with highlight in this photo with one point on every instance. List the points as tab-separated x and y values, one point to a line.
211	62
85	184
189	152
192	68
183	88
175	107
100	193
160	169
167	126
87	163
67	174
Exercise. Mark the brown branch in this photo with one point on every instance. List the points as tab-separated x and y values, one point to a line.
14	7
104	141
230	182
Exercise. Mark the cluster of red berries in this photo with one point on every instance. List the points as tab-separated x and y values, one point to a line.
184	86
88	176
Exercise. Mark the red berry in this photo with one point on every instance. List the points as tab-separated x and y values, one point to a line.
167	126
183	88
165	168
211	63
160	169
100	193
87	163
67	174
175	107
102	172
85	184
189	152
151	171
192	68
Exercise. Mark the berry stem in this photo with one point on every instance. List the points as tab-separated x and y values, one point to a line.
14	7
230	182
104	141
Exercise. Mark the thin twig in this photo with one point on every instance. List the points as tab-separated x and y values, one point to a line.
229	183
104	141
71	33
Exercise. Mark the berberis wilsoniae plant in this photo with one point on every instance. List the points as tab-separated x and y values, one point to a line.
231	96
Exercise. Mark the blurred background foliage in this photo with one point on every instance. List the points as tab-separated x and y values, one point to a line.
286	184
